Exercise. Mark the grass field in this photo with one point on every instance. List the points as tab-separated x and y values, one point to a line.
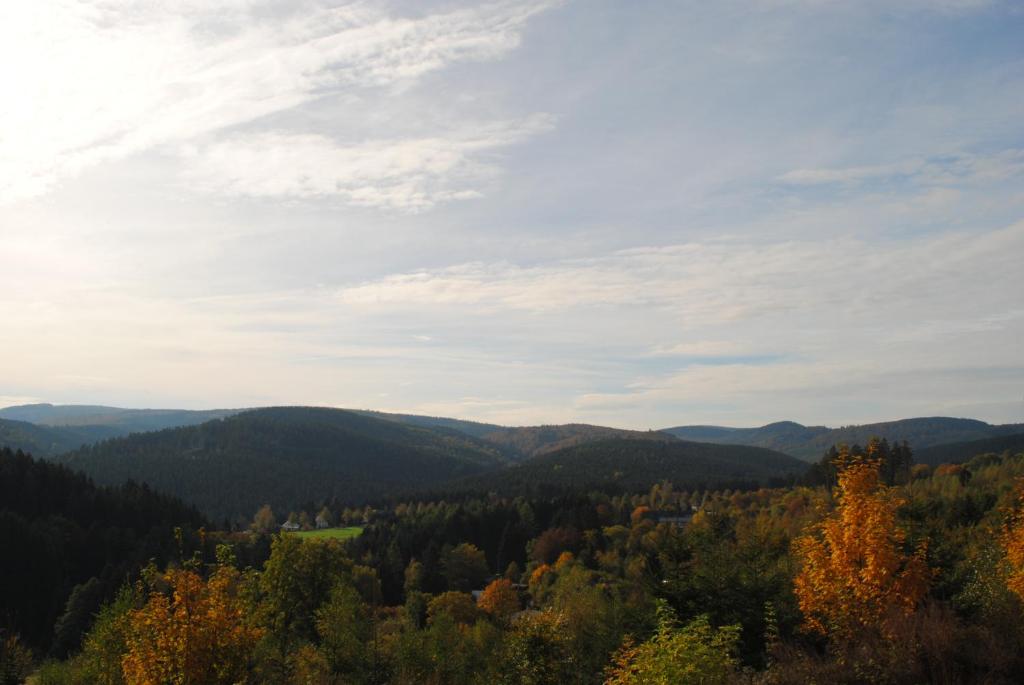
330	533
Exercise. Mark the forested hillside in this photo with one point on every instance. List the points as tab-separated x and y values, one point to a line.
628	464
810	442
46	441
526	442
471	428
762	587
62	537
959	452
284	456
118	420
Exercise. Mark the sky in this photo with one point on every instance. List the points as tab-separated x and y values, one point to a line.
639	214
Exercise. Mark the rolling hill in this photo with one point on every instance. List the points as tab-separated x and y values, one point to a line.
630	464
959	452
118	420
527	442
810	442
524	442
472	428
46	441
285	456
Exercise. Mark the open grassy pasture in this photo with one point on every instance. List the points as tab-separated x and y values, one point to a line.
330	533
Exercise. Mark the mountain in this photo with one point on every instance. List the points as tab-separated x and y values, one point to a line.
524	442
810	442
471	428
630	464
286	456
120	421
531	441
46	441
959	452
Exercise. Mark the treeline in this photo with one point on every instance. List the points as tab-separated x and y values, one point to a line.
283	456
628	465
69	545
854	581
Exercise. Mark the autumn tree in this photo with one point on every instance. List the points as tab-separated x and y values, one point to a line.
459	606
326	516
537	650
1013	544
855	572
500	600
193	633
264	521
547	546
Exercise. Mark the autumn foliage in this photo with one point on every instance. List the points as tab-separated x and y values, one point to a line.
1013	543
500	599
193	632
855	572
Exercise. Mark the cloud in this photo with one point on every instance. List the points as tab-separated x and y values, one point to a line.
951	169
88	82
407	174
703	349
718	281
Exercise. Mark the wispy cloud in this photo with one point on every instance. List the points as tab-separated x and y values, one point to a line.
89	82
407	175
951	169
713	282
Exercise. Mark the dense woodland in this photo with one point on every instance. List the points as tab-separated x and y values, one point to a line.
67	545
876	570
293	455
809	442
282	456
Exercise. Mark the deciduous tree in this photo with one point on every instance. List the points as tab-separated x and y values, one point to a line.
855	570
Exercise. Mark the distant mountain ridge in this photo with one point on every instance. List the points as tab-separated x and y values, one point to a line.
123	420
285	456
810	442
629	464
47	441
473	428
959	452
527	442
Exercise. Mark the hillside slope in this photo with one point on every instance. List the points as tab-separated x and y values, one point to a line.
120	421
472	428
58	530
810	442
284	457
46	441
959	452
526	442
636	464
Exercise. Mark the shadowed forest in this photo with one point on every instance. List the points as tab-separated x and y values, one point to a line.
871	569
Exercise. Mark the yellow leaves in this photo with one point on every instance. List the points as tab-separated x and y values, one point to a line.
198	634
1013	544
854	568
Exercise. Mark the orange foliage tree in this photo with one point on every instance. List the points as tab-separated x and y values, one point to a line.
855	572
195	634
1013	543
500	599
